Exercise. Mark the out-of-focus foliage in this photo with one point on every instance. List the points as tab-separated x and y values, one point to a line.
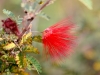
85	60
88	3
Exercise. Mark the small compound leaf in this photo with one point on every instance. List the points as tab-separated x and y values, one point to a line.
8	13
34	63
43	15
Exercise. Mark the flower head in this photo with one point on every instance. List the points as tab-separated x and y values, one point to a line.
10	26
58	40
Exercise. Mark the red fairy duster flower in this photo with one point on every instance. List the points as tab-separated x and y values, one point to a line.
58	40
10	26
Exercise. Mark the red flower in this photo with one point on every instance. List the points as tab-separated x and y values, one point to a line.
10	26
58	40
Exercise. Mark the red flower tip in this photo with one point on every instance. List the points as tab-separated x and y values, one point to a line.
10	26
58	40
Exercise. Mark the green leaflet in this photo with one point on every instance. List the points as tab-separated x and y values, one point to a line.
21	57
11	14
34	63
31	49
33	6
19	20
87	3
37	38
8	13
43	15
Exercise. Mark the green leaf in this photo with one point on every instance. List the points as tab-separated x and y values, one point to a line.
87	3
8	13
25	38
21	57
34	63
43	15
35	5
31	49
19	20
9	46
2	66
11	14
37	38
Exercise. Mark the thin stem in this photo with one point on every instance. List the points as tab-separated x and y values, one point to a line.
24	30
32	18
43	6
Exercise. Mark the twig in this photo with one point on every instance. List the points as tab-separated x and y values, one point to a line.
43	6
24	30
32	18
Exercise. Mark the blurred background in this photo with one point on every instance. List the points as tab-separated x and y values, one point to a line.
85	60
